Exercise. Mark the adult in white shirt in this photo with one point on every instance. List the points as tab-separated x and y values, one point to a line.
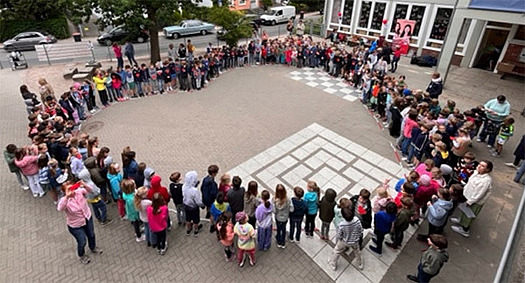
476	191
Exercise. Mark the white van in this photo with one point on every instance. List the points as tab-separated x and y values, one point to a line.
278	15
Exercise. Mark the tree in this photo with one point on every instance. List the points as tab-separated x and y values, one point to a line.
233	22
37	10
135	14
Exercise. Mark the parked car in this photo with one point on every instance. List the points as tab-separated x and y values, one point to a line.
278	15
188	27
121	33
28	40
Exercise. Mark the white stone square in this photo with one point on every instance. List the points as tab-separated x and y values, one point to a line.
346	90
286	145
296	78
308	73
372	157
332	148
264	158
271	184
340	181
379	175
345	156
310	78
335	163
327	84
300	153
328	173
322	257
296	139
276	168
288	161
363	166
319	141
339	140
341	84
324	78
356	149
250	166
368	184
353	174
265	176
314	162
323	155
390	166
350	98
312	84
330	90
320	181
292	179
310	147
316	128
307	133
329	135
301	171
295	73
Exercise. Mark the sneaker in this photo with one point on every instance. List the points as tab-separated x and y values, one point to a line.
97	251
510	164
454	220
374	251
391	245
42	194
124	217
25	188
291	240
404	158
460	231
361	266
140	239
241	264
494	154
412	278
85	259
479	140
35	195
279	246
162	252
107	222
283	247
333	266
489	146
188	232
252	262
196	232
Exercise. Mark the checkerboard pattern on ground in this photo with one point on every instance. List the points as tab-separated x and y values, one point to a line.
321	80
333	161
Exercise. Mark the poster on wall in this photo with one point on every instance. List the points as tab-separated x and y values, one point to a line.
402	32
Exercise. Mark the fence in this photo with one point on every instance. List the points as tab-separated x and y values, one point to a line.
52	52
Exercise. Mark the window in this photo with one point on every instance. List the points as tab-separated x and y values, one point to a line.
520	34
464	31
336	9
417	14
242	2
400	13
377	19
347	12
440	26
365	14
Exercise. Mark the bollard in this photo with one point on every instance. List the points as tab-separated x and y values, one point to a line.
47	56
109	55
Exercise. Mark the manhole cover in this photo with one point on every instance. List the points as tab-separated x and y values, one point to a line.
92	126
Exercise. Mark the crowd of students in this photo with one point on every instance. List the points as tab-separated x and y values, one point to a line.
434	141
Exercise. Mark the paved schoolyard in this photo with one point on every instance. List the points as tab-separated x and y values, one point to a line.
239	122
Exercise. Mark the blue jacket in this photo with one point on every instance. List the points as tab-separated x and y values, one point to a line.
438	212
383	222
131	171
310	198
419	139
299	209
209	190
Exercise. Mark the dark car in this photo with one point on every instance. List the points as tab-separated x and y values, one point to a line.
120	33
28	40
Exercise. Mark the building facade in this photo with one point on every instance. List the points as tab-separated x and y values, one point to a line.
475	36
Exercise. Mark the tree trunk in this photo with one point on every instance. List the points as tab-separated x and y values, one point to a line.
154	36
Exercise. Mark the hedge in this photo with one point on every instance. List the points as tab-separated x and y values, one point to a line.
57	27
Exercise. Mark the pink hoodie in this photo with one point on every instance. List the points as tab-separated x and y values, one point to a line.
157	222
28	165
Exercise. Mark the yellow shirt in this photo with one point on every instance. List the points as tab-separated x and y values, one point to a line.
100	83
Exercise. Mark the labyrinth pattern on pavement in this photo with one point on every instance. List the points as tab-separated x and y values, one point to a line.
332	161
321	80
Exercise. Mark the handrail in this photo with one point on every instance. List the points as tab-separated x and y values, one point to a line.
509	254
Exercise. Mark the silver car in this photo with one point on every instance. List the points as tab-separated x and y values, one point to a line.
188	27
28	40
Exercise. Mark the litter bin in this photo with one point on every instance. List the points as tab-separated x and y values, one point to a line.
301	15
76	37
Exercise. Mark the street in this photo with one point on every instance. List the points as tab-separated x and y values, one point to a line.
142	49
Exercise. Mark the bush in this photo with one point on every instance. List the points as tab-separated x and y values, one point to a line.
57	27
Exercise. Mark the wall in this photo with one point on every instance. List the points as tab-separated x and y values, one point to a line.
512	55
238	7
456	59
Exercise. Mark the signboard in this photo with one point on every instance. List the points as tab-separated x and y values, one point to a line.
402	33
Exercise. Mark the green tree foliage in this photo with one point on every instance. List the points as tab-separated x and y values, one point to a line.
233	22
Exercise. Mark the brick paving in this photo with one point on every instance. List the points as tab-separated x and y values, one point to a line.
239	116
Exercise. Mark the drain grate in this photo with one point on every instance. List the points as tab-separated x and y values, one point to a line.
91	127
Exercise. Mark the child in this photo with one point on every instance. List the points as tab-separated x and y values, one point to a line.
438	212
245	242
348	235
424	168
297	215
115	178
263	214
176	195
55	175
43	173
225	234
9	156
407	190
402	222
250	202
441	155
418	144
311	199
219	206
209	191
465	168
432	259
95	199
326	212
225	185
142	203
426	189
383	221
338	216
130	81
281	208
157	219
382	198
363	208
192	201
505	132
128	195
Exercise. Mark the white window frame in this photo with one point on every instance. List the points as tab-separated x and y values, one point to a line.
429	31
409	11
242	2
341	10
371	15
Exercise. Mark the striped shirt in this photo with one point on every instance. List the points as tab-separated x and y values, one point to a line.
350	232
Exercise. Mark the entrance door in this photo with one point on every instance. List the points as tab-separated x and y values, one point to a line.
490	47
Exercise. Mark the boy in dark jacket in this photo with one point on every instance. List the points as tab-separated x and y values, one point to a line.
383	224
209	191
420	141
236	196
432	259
363	208
326	212
176	195
297	216
402	222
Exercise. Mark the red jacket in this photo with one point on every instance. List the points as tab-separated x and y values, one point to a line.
157	188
